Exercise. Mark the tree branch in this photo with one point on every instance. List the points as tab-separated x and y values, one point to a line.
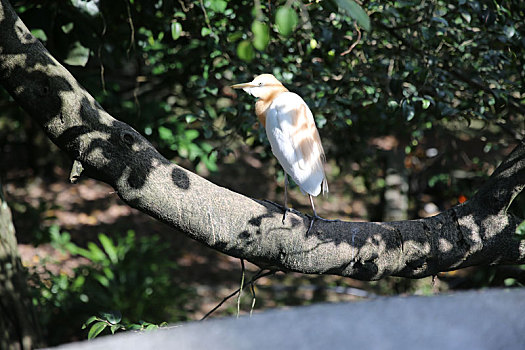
476	232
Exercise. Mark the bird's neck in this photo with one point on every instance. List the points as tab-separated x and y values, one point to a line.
262	104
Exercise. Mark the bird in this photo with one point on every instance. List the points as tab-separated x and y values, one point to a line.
293	136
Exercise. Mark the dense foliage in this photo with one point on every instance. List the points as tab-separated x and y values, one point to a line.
426	72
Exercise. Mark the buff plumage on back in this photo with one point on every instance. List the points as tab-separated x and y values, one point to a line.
308	141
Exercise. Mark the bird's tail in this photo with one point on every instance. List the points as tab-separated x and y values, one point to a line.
325	187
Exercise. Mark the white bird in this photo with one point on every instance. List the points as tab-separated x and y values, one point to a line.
292	133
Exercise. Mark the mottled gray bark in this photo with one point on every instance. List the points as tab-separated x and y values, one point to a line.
18	326
477	232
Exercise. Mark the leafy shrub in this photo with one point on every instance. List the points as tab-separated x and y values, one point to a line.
128	274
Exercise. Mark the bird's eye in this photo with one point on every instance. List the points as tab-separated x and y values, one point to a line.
261	84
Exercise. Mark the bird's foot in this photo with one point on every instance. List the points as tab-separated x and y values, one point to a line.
283	208
317	217
286	210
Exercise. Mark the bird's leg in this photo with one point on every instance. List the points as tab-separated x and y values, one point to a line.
317	217
285	196
315	214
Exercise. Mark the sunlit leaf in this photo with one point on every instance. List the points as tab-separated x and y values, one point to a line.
98	254
96	329
109	247
408	111
176	30
165	134
205	31
152	327
39	34
78	55
114	328
509	31
217	5
112	317
520	230
88	6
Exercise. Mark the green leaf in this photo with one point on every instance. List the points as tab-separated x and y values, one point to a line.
509	282
78	55
392	104
408	111
235	36
114	328
245	51
355	11
89	321
191	134
520	230
39	34
109	247
67	28
98	254
176	30
509	31
466	16
218	5
190	118
112	317
96	329
205	31
261	35
286	20
103	280
166	134
151	327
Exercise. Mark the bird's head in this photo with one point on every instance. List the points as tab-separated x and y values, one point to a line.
263	86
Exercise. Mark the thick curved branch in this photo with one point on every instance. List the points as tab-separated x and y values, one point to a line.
477	232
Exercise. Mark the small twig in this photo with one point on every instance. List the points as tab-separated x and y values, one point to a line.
99	52
136	96
355	42
184	8
252	287
258	275
132	27
207	20
240	288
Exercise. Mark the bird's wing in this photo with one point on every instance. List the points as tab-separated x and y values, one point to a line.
296	143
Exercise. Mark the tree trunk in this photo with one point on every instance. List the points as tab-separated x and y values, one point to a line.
396	187
18	326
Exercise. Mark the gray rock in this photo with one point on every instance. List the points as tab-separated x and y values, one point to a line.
490	319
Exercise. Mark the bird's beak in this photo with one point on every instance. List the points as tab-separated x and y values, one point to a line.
243	86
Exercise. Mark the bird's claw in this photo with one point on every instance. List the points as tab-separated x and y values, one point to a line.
317	217
283	208
311	225
286	210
